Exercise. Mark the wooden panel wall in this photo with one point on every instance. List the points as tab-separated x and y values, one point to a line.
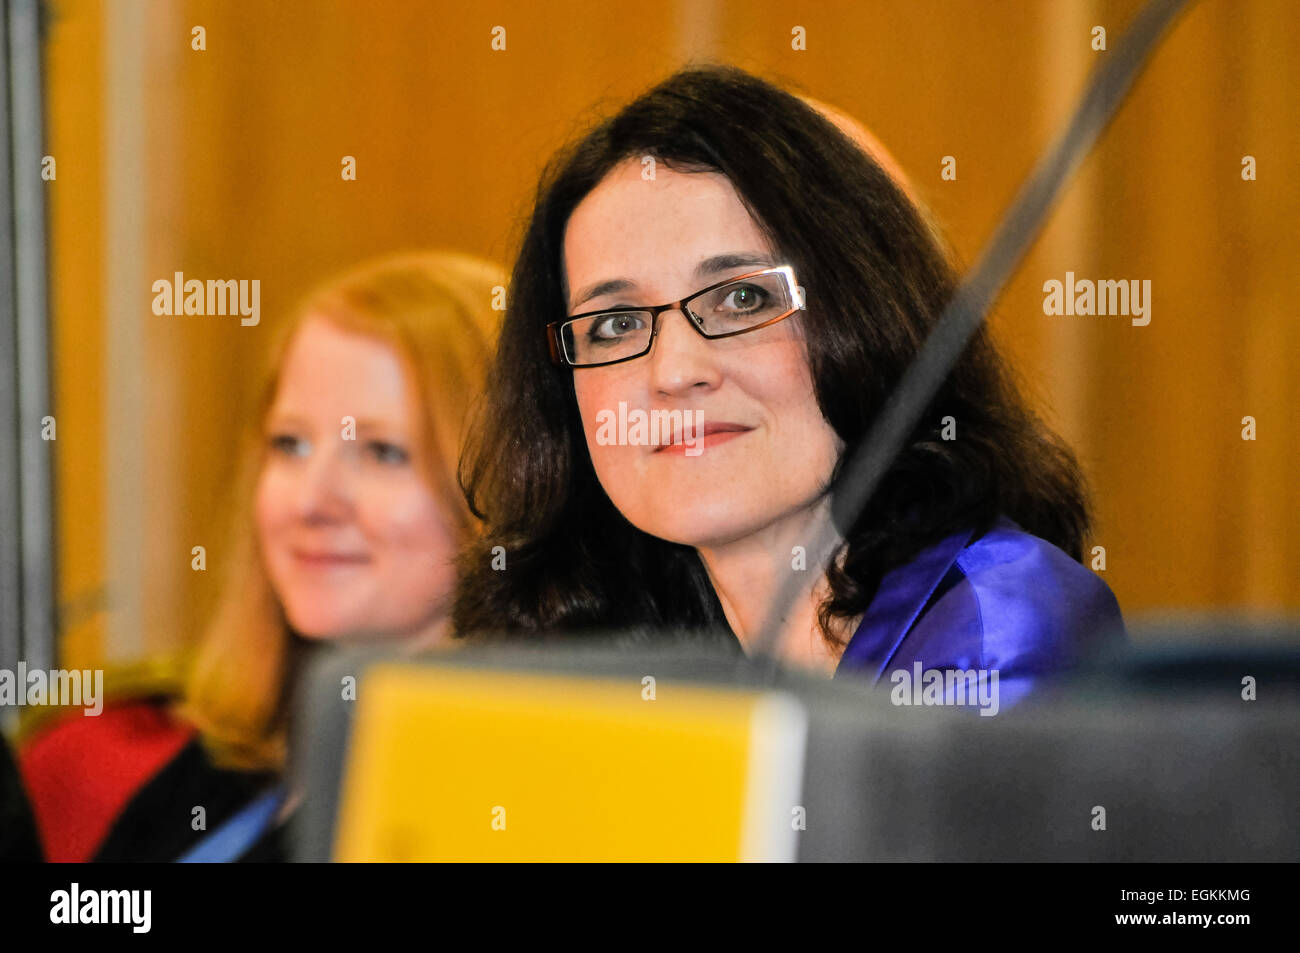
242	144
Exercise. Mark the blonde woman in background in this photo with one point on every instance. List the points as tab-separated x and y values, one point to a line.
350	518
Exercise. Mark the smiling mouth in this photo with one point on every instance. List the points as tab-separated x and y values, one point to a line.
714	434
330	560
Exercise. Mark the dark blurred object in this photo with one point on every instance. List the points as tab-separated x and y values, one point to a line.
18	838
156	826
1209	654
1156	755
1179	773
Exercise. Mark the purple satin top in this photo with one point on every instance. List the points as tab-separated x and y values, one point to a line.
1009	603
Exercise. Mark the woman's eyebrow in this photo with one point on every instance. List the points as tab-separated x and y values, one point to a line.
608	287
717	264
707	268
373	423
280	420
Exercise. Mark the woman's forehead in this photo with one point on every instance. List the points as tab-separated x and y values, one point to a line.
631	225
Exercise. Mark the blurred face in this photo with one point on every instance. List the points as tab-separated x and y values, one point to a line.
767	452
353	538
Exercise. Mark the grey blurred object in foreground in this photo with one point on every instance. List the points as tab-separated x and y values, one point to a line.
1161	739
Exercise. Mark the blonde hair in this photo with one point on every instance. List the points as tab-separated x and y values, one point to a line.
435	309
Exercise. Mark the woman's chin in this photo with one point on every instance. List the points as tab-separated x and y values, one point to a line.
318	633
316	626
702	531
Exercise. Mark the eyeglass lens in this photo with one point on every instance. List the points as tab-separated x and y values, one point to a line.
736	306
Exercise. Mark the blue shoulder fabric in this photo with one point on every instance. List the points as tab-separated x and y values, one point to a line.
1009	602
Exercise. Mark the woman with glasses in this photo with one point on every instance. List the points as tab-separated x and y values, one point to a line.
721	251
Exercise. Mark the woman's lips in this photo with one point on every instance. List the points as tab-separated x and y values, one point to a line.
713	435
319	560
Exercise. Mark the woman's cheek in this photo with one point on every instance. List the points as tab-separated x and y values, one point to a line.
270	518
612	463
269	511
402	519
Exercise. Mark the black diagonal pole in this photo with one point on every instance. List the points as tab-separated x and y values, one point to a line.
898	417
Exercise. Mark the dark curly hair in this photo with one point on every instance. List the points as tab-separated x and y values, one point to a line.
878	276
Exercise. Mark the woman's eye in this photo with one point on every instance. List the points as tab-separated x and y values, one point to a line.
289	445
385	452
615	326
744	299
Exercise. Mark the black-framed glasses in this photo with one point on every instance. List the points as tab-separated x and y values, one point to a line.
735	306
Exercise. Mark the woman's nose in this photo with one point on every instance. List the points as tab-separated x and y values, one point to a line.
326	493
681	358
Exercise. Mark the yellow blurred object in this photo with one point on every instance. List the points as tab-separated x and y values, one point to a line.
453	765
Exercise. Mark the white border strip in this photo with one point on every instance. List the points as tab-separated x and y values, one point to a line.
778	742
